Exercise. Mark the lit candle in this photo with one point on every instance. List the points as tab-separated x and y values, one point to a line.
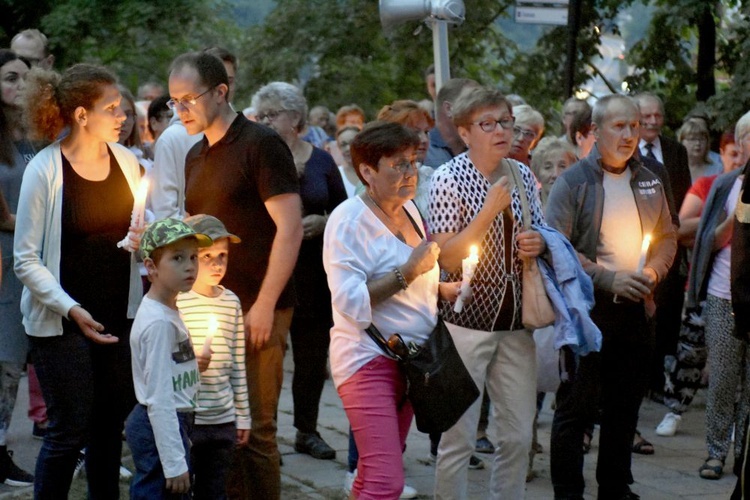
138	216
468	266
644	252
137	219
212	326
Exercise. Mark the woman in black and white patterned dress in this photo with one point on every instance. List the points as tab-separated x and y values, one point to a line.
473	202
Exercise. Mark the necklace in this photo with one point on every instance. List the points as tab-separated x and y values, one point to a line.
392	227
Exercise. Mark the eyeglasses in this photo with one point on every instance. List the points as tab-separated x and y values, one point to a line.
397	345
527	134
271	115
490	126
186	102
404	167
698	140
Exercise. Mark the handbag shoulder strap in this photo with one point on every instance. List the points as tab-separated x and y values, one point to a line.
378	338
518	181
414	222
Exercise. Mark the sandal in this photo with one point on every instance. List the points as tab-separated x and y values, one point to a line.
587	437
712	468
641	446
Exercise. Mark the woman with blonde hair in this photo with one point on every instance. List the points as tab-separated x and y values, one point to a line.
80	290
694	136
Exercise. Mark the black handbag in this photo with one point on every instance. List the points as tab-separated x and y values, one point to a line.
440	387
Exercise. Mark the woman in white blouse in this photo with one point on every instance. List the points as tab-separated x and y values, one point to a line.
381	270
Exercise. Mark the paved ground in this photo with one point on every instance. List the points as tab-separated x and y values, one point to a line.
669	474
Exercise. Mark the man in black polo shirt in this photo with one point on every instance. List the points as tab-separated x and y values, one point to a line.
243	174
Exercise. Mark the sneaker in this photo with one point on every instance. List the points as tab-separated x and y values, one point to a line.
408	491
10	473
125	474
39	431
475	463
668	426
312	444
80	463
431	458
484	445
349	481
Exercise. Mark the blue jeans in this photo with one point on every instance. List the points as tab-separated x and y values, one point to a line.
148	481
211	457
88	390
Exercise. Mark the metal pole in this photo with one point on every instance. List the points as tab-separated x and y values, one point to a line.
440	52
574	22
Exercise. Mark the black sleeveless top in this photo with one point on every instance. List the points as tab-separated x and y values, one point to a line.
93	271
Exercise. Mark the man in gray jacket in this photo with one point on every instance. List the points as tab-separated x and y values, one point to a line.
606	205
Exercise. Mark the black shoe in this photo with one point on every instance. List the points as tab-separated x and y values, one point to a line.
475	463
312	444
484	445
630	496
10	473
38	432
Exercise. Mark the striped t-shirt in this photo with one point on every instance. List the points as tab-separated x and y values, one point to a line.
223	395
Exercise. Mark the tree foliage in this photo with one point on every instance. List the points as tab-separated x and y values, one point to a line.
135	38
337	51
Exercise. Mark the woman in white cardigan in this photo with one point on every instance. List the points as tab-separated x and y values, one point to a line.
79	289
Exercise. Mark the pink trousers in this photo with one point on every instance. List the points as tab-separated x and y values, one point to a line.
380	415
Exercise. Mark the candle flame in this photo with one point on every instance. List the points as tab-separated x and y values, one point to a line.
213	325
646	243
142	191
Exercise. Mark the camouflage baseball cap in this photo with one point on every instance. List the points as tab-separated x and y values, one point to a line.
211	226
164	232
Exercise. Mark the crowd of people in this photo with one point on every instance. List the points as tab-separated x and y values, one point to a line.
131	302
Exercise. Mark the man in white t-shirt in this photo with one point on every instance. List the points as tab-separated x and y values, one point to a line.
606	205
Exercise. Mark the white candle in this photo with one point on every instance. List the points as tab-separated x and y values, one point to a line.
137	219
212	326
468	266
138	216
644	252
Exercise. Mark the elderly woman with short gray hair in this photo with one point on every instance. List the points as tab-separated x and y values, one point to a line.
282	107
527	131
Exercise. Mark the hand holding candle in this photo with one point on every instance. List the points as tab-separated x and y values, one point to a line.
468	265
138	216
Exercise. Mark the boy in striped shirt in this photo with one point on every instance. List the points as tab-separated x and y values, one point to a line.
213	316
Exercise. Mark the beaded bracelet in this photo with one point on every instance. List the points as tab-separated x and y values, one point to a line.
400	277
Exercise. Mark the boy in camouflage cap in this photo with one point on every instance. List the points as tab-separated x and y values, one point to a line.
165	372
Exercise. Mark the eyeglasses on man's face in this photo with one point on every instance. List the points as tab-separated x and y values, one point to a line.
490	125
186	102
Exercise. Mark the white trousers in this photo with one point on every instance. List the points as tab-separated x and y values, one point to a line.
505	363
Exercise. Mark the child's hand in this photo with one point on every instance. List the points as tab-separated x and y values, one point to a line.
179	484
90	327
134	237
243	436
203	361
